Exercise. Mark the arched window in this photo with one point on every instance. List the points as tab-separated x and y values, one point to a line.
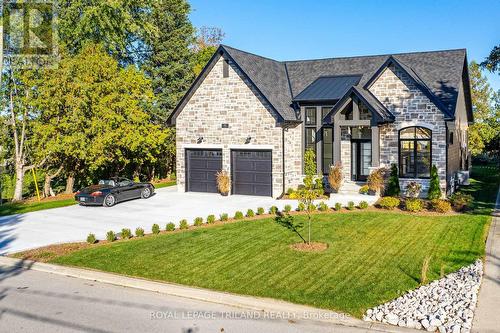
415	152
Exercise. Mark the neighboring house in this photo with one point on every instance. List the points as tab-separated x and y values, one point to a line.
255	117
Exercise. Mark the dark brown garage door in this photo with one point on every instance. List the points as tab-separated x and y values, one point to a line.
201	167
252	172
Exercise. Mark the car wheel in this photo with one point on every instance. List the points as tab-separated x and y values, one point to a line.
109	200
146	193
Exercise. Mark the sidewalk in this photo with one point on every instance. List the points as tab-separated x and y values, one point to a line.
266	305
486	318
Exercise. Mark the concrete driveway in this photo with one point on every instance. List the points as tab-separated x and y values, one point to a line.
74	223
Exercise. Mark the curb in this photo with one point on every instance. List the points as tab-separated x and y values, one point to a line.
266	305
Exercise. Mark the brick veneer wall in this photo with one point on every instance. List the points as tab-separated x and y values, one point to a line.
233	100
411	107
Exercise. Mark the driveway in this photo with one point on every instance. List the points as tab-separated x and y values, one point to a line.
74	223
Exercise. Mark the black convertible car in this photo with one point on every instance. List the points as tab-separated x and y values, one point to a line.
110	191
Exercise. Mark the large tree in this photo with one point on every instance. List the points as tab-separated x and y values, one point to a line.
119	25
169	62
492	62
93	116
485	127
207	41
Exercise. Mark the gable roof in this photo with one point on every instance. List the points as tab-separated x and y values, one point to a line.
328	88
380	113
438	73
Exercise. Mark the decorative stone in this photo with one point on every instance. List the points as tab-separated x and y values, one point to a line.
446	305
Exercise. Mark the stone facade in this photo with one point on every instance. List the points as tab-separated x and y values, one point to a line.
232	100
411	107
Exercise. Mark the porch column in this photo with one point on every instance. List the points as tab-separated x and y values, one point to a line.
375	146
336	138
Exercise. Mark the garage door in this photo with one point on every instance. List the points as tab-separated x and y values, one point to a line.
202	165
252	172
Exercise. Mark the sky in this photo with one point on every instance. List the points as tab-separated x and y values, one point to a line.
300	29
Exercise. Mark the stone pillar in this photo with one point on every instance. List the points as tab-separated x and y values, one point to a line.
375	146
345	150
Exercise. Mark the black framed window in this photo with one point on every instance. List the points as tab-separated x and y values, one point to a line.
415	151
310	138
327	149
311	116
324	111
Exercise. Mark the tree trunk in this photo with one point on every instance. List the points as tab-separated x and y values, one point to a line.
18	190
47	188
70	183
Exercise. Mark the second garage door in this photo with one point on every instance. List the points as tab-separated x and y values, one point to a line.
252	172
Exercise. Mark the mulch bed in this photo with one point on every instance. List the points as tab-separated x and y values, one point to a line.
309	247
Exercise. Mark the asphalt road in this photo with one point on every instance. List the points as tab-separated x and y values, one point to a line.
32	301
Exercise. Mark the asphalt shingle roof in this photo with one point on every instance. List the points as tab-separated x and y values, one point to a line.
281	82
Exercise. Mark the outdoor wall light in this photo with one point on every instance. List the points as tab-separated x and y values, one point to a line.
248	139
200	139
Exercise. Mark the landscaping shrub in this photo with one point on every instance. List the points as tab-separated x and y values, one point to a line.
198	221
301	207
273	210
289	191
238	215
311	207
440	206
155	229
461	201
363	205
224	217
350	205
413	189
91	239
110	236
260	211
434	188
414	205
287	208
335	177
183	224
389	202
139	232
294	195
126	233
376	180
393	189
364	189
210	219
170	226
322	206
223	182
250	213
338	206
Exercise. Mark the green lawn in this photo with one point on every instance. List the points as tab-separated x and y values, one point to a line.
25	207
371	257
165	184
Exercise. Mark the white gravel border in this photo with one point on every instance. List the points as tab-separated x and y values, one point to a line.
446	304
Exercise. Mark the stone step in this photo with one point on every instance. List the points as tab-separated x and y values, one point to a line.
351	187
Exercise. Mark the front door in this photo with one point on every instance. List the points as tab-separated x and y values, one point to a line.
361	159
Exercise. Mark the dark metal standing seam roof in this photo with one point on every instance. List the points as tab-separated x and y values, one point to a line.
328	88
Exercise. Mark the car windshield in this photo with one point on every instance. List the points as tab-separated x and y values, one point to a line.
108	182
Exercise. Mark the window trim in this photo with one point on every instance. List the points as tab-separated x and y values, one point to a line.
414	140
